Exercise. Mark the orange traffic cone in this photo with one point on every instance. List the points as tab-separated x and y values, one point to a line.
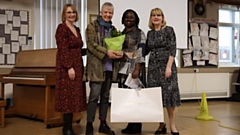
204	109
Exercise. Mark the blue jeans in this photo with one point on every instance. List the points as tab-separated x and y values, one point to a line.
102	90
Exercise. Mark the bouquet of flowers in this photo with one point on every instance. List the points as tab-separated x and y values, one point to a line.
115	42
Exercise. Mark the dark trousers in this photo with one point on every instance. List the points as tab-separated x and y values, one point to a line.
102	90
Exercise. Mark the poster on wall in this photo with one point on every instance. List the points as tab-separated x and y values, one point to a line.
14	31
202	44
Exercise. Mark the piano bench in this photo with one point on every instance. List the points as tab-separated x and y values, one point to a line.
2	112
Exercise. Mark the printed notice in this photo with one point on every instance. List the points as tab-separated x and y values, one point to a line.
16	21
15	46
22	40
14	35
23	15
9	15
6	49
3	19
2	58
2	41
8	28
24	30
11	59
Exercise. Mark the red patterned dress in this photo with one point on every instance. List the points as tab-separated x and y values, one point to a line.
70	95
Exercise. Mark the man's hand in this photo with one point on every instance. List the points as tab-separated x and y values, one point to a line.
112	55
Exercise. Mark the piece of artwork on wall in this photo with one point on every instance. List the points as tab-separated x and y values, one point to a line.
203	44
14	31
92	17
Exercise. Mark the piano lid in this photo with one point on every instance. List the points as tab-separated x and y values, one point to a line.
36	58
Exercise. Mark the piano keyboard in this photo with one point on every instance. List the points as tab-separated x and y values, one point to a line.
23	78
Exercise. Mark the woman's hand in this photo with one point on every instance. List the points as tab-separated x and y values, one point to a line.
135	73
168	72
71	73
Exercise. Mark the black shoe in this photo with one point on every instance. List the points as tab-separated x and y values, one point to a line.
161	131
89	129
175	133
68	132
127	129
133	128
105	129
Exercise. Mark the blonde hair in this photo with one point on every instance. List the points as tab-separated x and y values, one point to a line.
156	11
65	9
107	5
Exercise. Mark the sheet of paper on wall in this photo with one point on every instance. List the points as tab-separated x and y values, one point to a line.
2	41
15	46
213	33
3	19
11	59
213	59
187	51
9	15
204	29
194	29
190	47
213	45
16	21
201	63
196	42
205	42
14	35
24	30
6	49
187	59
8	28
205	54
25	47
22	40
2	58
197	55
23	15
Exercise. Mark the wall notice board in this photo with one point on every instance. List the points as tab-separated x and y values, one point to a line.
202	44
14	31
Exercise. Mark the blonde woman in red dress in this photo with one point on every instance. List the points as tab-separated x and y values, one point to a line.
70	96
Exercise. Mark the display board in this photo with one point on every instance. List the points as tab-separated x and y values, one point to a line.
14	31
202	44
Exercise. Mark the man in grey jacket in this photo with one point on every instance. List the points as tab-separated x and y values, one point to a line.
102	68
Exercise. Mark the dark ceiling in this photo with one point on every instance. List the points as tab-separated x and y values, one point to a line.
229	2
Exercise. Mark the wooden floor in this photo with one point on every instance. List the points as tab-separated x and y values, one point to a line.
225	113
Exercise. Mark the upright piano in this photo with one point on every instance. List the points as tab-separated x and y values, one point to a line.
33	79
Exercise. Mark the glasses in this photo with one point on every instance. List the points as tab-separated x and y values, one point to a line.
69	12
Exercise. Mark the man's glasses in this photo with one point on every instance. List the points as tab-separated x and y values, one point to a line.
69	12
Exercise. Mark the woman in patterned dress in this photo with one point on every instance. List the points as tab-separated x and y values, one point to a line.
162	71
134	52
70	95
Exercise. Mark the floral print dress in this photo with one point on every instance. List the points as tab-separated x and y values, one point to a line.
162	44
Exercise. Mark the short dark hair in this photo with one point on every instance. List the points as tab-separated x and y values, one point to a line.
136	15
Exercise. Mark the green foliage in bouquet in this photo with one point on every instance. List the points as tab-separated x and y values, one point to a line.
115	33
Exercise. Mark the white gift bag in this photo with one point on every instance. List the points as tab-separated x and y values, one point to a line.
131	105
